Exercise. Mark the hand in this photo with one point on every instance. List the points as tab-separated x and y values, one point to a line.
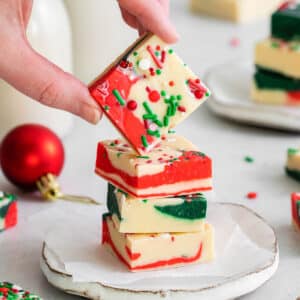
152	15
34	75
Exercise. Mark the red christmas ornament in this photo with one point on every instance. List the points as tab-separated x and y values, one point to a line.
28	152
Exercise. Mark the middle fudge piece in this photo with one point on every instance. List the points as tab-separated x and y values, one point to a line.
175	167
173	214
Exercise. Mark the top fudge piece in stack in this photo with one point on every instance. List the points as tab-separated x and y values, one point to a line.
235	10
8	211
277	79
175	167
147	91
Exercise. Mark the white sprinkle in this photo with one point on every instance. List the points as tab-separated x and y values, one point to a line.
144	64
1	194
171	140
165	235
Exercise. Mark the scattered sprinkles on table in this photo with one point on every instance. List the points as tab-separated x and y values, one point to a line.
292	167
249	159
8	211
252	195
147	92
10	291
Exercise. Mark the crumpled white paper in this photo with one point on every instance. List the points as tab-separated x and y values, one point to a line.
78	246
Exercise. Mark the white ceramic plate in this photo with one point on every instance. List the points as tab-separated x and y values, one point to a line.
230	85
210	288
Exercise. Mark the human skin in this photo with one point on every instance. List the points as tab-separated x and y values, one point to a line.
35	76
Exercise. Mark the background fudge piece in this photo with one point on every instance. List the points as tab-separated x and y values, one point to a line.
147	91
286	21
142	252
136	215
272	88
279	56
293	163
295	206
176	167
234	10
10	291
8	211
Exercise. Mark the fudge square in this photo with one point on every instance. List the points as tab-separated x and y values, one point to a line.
279	56
286	21
173	214
147	91
295	207
293	163
8	211
141	252
235	10
175	167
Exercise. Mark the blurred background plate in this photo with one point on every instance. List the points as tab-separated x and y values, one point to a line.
230	85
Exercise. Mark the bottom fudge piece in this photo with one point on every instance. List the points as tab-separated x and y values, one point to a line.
9	291
293	163
173	214
8	211
295	205
142	252
272	88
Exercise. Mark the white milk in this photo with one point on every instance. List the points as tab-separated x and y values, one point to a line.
99	35
49	33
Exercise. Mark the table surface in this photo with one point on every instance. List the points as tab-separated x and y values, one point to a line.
204	42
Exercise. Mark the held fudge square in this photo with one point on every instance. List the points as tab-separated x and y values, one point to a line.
147	91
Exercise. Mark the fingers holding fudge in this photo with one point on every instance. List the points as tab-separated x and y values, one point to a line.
149	16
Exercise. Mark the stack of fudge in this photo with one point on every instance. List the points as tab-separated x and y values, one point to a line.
239	11
157	213
295	210
277	59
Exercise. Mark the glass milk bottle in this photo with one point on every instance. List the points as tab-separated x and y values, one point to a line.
99	35
49	34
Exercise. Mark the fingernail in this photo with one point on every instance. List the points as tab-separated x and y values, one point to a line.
95	116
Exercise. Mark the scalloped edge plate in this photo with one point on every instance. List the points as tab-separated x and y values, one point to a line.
252	224
230	86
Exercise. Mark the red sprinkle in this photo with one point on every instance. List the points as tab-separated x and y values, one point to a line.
199	94
181	108
116	142
197	80
252	195
157	48
154	96
171	83
285	5
124	64
234	42
132	105
163	56
149	161
173	238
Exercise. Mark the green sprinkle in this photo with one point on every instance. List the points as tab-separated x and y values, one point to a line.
179	97
106	108
163	93
149	117
145	200
172	98
295	47
166	121
293	151
142	156
187	81
207	94
137	62
119	97
275	45
147	108
169	111
119	154
156	53
171	51
171	131
144	141
135	53
112	144
158	123
249	159
153	133
158	71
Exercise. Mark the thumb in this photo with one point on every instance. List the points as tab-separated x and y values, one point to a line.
35	76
